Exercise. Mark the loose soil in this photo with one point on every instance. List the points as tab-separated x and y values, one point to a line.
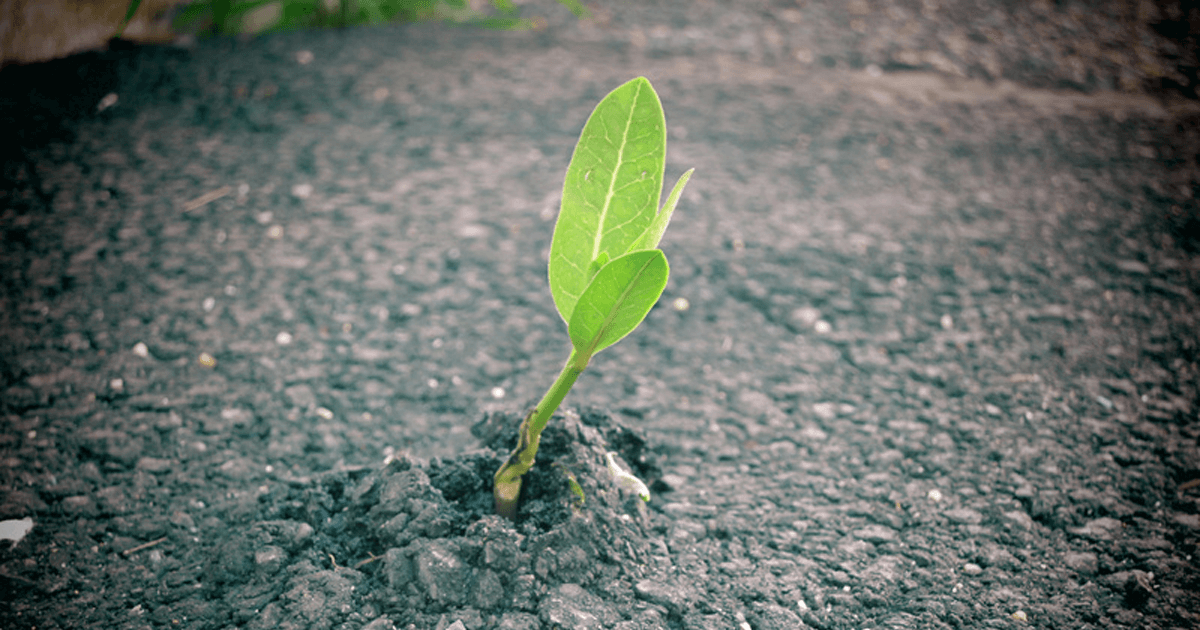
927	359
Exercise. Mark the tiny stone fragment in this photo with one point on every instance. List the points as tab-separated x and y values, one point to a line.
966	516
1084	563
570	606
768	616
674	598
15	529
154	465
875	534
440	571
1105	528
381	623
1138	589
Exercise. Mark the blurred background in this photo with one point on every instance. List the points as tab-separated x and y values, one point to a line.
39	30
1089	45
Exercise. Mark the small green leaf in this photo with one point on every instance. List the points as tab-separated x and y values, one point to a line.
612	188
653	234
576	7
617	300
597	265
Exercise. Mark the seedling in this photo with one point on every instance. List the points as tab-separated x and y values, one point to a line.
605	269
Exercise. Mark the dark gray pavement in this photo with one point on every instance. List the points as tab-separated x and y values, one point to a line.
927	359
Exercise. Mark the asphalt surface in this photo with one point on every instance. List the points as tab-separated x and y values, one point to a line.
927	358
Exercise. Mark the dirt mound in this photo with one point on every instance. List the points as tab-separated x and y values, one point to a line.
413	543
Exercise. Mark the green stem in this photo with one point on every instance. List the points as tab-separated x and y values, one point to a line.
507	488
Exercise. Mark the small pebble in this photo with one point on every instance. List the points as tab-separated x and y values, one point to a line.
141	350
15	529
971	568
806	316
108	101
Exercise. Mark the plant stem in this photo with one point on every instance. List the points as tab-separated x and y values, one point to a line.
507	488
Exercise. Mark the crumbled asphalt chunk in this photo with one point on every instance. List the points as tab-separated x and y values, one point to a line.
768	616
673	597
571	606
1139	588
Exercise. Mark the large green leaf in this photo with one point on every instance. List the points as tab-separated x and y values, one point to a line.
617	300
611	192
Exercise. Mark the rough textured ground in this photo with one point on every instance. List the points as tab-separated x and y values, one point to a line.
928	357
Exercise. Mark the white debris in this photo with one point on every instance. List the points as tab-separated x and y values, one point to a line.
625	479
108	101
15	530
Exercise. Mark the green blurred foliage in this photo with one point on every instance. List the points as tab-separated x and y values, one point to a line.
256	16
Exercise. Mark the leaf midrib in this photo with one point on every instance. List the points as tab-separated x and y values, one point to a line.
608	197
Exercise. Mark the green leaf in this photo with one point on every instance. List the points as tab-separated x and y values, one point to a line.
576	7
653	234
129	13
611	192
597	265
617	300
